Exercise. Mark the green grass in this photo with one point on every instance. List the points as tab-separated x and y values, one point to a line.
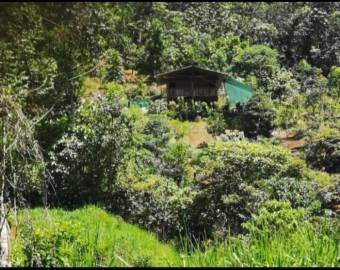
85	237
91	237
305	247
183	128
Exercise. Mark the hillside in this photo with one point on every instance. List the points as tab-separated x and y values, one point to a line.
208	131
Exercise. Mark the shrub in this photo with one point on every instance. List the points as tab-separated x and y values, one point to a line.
216	123
113	89
291	113
84	161
329	197
157	134
334	80
44	245
232	135
180	128
323	152
259	60
151	187
283	85
113	68
275	216
176	158
190	109
158	106
298	192
254	118
225	182
154	202
323	179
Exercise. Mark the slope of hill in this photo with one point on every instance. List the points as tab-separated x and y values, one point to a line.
85	237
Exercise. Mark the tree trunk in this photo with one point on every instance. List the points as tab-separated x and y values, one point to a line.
5	241
4	226
5	230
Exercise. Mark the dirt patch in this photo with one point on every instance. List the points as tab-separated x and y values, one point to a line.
294	144
284	133
289	139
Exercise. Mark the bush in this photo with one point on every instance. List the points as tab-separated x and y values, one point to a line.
334	81
177	159
329	197
298	192
323	152
275	216
113	68
226	183
84	161
323	179
290	113
216	123
158	106
157	134
232	135
155	203
151	187
190	109
258	60
283	85
254	118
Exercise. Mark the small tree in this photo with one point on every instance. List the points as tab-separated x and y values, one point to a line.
258	60
22	163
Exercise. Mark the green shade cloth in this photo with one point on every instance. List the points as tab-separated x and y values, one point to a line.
237	92
143	103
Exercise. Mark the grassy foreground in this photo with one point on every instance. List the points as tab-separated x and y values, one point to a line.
92	237
302	248
85	237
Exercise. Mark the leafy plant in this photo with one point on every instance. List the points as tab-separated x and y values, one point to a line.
323	151
226	183
254	118
275	216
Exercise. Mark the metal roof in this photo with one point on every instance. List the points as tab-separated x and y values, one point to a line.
220	74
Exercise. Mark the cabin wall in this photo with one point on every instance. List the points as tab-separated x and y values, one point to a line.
197	89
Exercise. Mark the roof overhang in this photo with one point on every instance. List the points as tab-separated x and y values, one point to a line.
191	71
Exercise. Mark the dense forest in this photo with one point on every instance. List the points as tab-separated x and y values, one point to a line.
89	177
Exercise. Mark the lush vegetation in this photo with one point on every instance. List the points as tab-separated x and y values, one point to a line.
83	238
87	124
278	237
90	237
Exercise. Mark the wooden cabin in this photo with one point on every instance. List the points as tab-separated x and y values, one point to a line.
193	82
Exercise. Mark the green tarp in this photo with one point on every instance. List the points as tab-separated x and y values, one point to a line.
143	103
237	92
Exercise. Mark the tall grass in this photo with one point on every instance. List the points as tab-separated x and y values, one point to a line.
91	237
306	247
85	237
